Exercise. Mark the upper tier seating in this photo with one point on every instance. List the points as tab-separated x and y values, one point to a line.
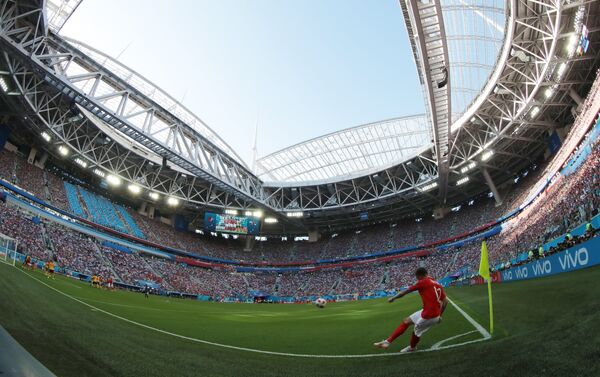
73	199
137	232
569	201
102	211
7	166
31	178
376	238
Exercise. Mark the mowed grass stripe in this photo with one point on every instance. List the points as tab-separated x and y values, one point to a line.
544	327
245	317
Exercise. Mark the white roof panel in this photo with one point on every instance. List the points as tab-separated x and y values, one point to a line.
358	150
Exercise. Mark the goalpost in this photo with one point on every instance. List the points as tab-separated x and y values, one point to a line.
8	249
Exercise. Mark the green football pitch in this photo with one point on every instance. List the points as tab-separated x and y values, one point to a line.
546	327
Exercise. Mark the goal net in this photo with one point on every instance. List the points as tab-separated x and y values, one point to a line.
8	249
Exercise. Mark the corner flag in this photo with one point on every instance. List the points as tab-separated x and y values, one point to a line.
484	272
484	265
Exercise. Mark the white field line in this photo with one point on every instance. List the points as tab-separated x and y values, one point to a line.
300	355
439	344
5	261
478	327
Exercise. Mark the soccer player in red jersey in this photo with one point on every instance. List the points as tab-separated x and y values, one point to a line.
434	303
27	264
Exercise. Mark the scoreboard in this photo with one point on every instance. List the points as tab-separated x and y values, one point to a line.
214	222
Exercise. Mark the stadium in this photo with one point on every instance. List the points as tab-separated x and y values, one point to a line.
135	239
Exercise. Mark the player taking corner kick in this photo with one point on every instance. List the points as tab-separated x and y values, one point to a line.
434	303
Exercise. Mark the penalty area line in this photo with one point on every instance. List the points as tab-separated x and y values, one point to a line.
245	349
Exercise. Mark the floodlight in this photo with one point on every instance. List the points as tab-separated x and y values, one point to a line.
113	180
64	151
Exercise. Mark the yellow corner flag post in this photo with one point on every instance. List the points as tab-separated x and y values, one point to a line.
484	272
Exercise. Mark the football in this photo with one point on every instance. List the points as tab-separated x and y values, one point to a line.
320	302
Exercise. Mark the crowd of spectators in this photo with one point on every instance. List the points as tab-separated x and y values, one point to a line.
292	284
362	279
56	188
566	203
570	200
76	252
7	166
31	178
28	234
129	267
375	238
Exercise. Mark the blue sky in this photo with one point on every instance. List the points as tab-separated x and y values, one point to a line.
302	68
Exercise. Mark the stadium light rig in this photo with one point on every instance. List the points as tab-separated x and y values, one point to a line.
153	195
534	112
256	213
572	45
462	181
3	85
99	173
561	70
81	163
270	220
428	187
295	214
46	137
134	189
231	212
113	180
487	155
64	151
172	201
548	92
469	166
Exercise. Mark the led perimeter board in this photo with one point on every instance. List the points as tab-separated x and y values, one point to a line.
214	222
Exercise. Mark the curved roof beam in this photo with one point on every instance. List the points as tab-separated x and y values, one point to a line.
355	151
124	106
511	118
58	12
431	52
474	32
155	93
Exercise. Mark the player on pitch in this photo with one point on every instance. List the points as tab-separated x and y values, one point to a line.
434	303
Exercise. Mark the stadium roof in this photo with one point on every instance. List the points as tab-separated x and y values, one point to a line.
354	151
59	11
474	33
160	129
499	129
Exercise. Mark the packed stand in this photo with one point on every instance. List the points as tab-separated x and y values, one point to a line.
129	267
31	179
20	226
76	252
102	211
7	166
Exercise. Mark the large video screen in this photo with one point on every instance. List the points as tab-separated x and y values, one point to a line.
215	222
